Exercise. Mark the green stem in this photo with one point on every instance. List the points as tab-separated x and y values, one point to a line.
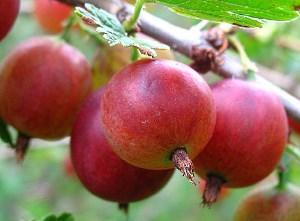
200	26
131	22
249	67
73	19
282	177
283	173
135	55
91	33
70	22
293	150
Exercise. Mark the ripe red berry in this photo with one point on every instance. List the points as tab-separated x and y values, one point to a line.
156	111
249	138
294	126
9	10
51	14
99	169
270	204
42	84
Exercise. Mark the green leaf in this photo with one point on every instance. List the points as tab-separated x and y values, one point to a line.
50	218
247	13
65	217
113	31
62	217
4	133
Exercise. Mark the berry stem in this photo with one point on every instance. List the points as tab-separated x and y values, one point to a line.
134	54
249	67
183	163
212	189
282	177
131	22
70	22
293	150
89	31
21	146
283	173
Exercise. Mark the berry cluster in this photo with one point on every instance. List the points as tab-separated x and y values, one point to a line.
148	118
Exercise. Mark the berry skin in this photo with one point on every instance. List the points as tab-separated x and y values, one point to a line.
294	126
156	111
51	14
249	138
42	85
9	10
270	204
99	169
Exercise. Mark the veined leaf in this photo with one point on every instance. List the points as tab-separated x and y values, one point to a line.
248	13
113	31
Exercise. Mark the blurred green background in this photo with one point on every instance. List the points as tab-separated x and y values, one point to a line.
40	186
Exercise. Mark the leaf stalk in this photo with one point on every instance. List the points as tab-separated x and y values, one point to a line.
249	67
131	22
293	150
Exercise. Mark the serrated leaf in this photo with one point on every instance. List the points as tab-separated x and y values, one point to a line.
4	133
247	13
113	31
